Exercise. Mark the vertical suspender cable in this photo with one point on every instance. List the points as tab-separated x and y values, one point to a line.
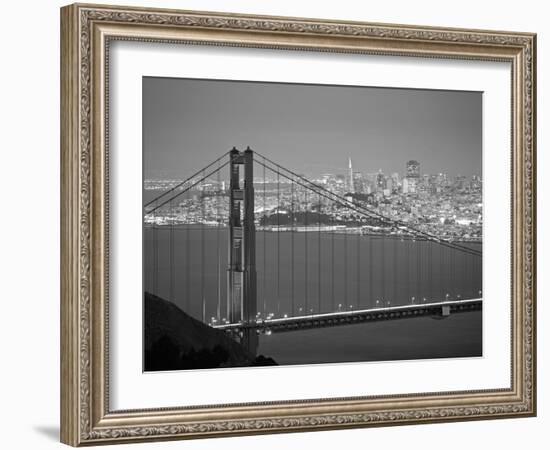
218	262
264	293
424	269
371	269
171	253
383	265
155	256
306	250
408	269
394	295
430	269
292	245
278	245
187	259
452	273
203	199
332	232
319	257
449	283
462	278
471	276
345	299
479	269
424	273
442	273
358	264
418	267
464	293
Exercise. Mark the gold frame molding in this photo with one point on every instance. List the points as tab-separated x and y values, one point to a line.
86	31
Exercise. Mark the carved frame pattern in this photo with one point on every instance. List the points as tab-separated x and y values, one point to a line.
86	418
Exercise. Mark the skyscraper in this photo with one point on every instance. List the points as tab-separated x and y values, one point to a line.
413	169
380	181
350	183
412	177
358	183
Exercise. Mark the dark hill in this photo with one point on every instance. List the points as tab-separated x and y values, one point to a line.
175	341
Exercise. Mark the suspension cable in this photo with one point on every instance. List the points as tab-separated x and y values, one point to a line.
344	203
365	211
186	180
183	191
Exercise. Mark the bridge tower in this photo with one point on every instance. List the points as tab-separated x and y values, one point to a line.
241	271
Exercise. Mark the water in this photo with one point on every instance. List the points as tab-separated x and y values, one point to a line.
310	272
458	335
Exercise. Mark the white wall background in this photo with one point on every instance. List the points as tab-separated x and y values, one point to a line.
29	221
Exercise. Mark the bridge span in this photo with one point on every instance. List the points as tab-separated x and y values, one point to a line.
294	323
324	256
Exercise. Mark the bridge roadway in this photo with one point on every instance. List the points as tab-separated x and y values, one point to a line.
282	324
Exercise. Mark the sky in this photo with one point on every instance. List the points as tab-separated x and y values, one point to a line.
311	129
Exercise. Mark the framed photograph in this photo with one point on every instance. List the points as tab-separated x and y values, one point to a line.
274	224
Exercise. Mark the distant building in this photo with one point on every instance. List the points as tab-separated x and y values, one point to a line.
327	178
460	182
476	182
395	183
413	169
350	183
358	183
410	185
395	178
380	181
411	181
442	180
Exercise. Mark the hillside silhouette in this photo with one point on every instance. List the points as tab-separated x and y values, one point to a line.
176	341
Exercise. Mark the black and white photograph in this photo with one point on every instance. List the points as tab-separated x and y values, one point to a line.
277	219
304	224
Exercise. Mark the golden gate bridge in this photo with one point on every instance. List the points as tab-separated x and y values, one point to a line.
294	254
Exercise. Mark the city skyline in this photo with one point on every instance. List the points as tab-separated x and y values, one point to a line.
189	123
335	202
344	172
447	207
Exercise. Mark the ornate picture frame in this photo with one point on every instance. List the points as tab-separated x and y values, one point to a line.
86	34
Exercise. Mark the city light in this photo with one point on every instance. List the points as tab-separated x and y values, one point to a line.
445	207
